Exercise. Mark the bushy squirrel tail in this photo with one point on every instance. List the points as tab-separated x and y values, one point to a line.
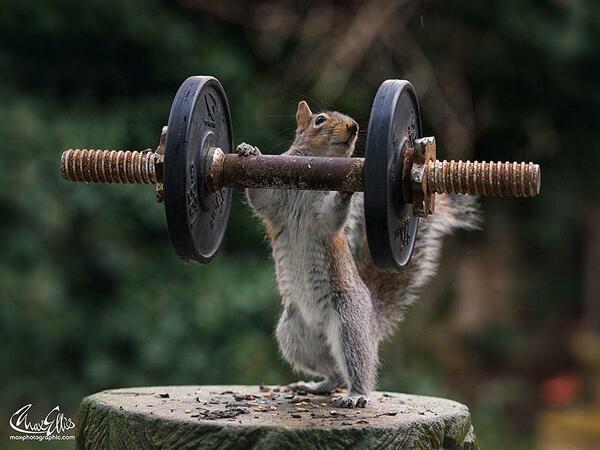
392	293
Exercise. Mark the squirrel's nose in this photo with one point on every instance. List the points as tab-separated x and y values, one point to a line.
352	128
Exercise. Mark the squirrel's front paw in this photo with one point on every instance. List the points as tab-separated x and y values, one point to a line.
247	150
350	401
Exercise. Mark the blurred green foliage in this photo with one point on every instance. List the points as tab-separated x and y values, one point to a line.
91	295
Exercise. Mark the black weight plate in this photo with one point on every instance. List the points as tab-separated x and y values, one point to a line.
199	120
393	126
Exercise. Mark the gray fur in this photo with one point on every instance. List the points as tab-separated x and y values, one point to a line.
336	307
396	292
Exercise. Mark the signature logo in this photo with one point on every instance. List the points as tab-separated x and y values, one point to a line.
55	422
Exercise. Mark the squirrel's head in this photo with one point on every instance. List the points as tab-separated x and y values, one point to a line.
327	133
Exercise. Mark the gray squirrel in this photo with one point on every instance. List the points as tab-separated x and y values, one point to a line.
337	307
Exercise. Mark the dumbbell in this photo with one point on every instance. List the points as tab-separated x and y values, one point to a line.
194	169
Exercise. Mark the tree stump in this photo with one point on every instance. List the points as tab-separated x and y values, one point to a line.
253	417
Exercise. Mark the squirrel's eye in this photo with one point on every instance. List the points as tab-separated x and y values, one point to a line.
320	119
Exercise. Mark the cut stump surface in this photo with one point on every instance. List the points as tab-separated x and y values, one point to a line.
269	417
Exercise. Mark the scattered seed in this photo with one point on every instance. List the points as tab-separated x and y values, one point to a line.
222	414
237	405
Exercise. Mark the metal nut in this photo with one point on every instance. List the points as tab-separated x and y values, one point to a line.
423	201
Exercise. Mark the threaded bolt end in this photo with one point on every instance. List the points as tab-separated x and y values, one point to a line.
490	179
111	166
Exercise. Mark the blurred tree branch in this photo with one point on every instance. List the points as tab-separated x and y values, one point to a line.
329	43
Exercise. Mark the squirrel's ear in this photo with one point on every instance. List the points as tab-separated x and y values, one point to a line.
303	115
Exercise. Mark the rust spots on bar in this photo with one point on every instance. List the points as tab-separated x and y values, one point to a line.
111	166
291	172
500	179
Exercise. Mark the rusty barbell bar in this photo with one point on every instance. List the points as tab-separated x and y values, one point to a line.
507	179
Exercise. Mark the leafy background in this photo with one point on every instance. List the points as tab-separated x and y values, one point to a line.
92	296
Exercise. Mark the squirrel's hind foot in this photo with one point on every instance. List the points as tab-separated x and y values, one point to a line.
350	401
323	387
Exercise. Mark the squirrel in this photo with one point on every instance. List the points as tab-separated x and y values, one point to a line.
337	307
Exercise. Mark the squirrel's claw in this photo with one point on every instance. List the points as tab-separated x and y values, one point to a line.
350	401
247	150
345	196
